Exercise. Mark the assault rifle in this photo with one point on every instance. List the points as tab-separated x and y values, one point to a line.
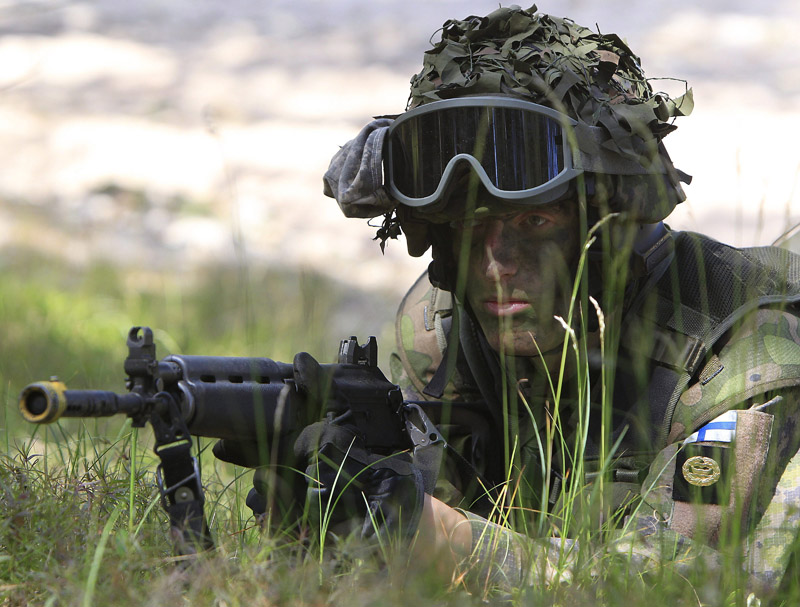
252	400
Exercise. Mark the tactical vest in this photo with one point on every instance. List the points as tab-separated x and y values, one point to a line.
695	298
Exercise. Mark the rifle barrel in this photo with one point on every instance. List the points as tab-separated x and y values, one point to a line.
220	409
47	401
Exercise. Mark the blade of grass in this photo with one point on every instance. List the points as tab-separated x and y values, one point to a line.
156	499
91	580
132	478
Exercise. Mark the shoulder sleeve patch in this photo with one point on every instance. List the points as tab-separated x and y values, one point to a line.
417	343
762	355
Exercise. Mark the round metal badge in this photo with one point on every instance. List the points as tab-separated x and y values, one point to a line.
701	471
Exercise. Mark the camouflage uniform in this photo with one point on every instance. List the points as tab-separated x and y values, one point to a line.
704	330
726	355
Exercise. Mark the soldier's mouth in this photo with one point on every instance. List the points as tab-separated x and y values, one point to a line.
505	308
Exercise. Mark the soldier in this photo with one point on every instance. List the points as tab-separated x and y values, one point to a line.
597	376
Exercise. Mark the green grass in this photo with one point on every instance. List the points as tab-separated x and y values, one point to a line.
80	515
66	540
81	523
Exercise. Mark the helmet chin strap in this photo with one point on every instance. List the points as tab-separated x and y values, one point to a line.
649	247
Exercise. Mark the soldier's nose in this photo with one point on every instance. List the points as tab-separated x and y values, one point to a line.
500	258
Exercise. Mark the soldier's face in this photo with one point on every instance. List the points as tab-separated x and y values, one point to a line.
520	269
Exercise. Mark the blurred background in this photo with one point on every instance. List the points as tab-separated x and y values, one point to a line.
162	162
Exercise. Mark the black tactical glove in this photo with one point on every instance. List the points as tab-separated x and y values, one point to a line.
276	482
347	486
278	478
351	489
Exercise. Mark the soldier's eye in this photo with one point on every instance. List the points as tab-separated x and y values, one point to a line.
533	220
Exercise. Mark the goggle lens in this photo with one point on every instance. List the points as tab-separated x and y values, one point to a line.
518	149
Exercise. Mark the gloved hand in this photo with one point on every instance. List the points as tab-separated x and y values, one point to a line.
276	483
351	489
348	487
345	485
276	480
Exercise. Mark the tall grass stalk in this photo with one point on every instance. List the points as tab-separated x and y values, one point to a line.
134	441
91	579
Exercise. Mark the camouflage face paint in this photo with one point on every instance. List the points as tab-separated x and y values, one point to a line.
519	274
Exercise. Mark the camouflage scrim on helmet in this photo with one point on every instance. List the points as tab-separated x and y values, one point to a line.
593	77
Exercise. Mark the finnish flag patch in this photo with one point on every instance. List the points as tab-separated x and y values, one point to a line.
720	430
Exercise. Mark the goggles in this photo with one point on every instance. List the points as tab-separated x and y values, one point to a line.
518	149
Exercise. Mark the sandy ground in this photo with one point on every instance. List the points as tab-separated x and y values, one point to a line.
191	131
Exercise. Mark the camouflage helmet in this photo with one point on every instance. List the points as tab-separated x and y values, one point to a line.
591	77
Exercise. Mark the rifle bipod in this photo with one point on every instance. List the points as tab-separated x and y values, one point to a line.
178	478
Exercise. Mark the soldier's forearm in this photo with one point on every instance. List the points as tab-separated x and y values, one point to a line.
444	538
